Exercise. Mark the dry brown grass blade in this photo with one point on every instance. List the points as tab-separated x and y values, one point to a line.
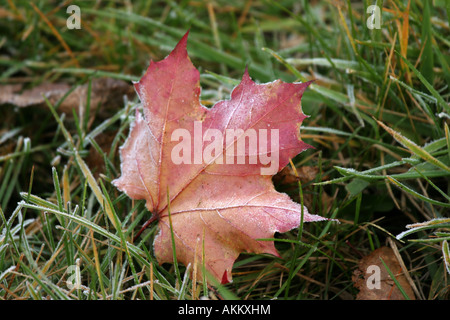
56	33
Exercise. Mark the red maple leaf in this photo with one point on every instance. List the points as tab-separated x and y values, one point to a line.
211	168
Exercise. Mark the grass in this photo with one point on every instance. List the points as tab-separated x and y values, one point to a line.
379	112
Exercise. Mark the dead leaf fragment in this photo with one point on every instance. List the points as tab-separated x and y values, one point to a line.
106	92
373	280
11	93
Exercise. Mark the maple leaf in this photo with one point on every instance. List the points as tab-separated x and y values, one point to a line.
217	188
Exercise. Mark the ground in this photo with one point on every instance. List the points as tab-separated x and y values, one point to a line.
378	120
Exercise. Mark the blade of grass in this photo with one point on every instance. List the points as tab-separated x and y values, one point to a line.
431	224
416	194
414	148
299	235
124	242
446	255
97	265
395	280
13	171
83	167
57	187
56	33
97	73
309	253
427	60
96	189
433	185
447	139
430	88
172	236
137	253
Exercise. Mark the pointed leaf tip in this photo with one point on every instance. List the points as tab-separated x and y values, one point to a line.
246	76
182	44
225	279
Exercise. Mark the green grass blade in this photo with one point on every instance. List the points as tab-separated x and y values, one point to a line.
405	295
431	224
416	194
414	148
446	255
430	88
